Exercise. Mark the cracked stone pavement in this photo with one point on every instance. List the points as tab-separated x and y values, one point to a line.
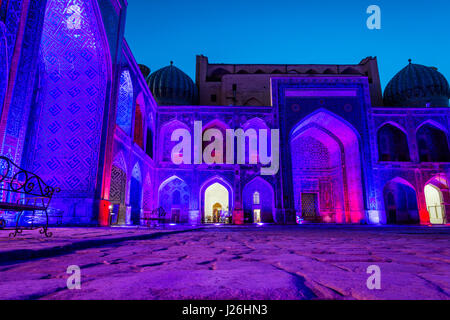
268	262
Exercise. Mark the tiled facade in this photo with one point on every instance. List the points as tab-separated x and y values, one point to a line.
77	110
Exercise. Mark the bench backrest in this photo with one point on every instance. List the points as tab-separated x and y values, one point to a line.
14	179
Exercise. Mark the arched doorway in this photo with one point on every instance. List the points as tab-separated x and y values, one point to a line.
256	207
435	207
147	199
216	204
326	170
400	201
258	200
117	195
391	208
437	198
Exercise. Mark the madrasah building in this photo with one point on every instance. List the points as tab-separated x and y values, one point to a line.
79	111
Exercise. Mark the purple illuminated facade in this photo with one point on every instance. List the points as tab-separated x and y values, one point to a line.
78	110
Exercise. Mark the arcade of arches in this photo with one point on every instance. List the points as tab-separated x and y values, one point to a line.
393	144
326	175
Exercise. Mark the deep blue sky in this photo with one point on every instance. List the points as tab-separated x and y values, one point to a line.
289	32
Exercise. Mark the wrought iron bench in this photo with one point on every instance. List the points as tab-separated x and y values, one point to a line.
23	191
158	215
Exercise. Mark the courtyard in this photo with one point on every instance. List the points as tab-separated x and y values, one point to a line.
229	262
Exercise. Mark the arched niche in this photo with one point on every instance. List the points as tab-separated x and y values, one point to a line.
258	201
400	202
392	144
174	197
124	114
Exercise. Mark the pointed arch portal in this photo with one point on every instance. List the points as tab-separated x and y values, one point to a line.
258	199
326	169
117	194
217	201
437	198
136	195
76	70
400	202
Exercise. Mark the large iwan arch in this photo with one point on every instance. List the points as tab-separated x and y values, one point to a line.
73	96
326	169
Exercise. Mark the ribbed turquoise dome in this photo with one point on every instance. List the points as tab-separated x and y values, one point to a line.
417	86
172	87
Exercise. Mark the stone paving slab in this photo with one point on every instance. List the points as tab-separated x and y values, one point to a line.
269	262
32	244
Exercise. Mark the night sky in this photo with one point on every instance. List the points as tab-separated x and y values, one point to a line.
289	32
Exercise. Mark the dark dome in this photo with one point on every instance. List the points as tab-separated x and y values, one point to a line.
172	87
145	71
417	86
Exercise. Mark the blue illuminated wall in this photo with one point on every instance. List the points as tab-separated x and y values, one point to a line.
72	100
78	112
23	69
